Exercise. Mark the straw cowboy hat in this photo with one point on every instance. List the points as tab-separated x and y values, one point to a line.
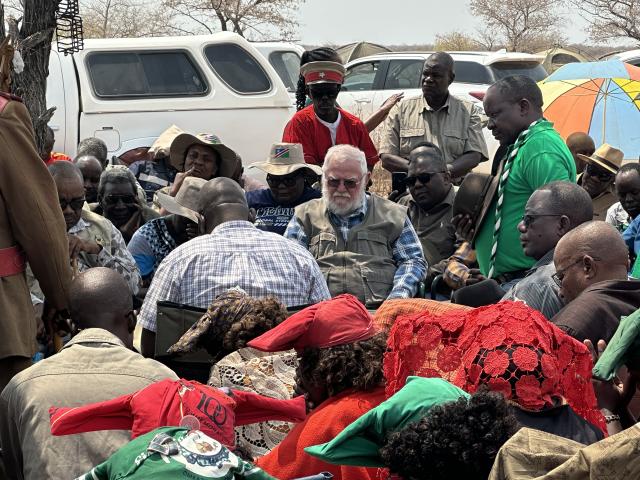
185	203
229	160
606	156
286	158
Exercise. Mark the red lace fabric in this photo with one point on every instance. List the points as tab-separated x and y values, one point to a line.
508	346
386	315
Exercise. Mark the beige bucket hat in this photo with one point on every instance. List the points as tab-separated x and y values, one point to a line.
286	158
186	202
160	147
229	160
606	156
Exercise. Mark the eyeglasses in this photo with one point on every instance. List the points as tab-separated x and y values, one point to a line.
114	199
349	184
558	277
328	89
74	203
423	177
287	180
595	171
527	220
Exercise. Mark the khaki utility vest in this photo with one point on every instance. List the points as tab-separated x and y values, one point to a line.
363	265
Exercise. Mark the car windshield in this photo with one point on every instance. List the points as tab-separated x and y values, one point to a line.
534	70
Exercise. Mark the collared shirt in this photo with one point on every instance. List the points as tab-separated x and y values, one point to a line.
114	256
455	127
631	236
150	245
618	217
406	251
542	158
235	254
458	265
94	366
537	289
434	228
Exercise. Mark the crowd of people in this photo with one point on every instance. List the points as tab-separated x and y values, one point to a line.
168	314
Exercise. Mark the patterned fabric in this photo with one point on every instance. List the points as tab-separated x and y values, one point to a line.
272	375
504	177
618	217
407	251
114	256
457	270
235	254
386	315
150	245
508	346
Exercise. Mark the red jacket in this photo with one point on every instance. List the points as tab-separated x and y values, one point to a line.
305	128
165	403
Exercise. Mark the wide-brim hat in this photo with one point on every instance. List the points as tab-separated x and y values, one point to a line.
161	146
322	72
186	202
473	198
606	156
286	158
229	160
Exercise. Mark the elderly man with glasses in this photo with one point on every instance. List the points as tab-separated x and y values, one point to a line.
93	240
591	264
365	245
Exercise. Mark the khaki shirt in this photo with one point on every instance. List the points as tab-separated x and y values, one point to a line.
94	366
455	128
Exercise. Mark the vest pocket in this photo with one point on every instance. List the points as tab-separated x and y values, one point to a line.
377	283
322	244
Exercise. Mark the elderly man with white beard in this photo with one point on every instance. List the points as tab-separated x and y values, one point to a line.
364	244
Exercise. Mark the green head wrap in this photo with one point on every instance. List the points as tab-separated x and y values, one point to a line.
623	348
359	444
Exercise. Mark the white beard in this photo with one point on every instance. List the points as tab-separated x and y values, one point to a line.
343	209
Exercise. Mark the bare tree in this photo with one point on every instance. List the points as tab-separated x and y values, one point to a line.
254	19
31	36
611	19
125	18
455	41
518	24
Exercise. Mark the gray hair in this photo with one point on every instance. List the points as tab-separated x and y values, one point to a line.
345	152
93	146
117	175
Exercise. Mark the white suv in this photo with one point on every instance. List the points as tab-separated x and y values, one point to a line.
371	80
630	56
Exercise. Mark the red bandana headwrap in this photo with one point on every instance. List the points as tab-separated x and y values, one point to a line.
338	321
508	346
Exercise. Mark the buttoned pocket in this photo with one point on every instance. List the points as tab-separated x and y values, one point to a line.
409	138
454	143
322	244
373	243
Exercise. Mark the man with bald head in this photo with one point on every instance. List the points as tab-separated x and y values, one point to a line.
579	143
91	169
438	117
98	364
93	240
232	253
592	262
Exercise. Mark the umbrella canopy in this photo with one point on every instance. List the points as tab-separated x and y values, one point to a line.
601	99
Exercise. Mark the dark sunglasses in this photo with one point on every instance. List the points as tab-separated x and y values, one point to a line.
74	203
287	180
602	174
114	199
527	220
329	89
349	184
423	177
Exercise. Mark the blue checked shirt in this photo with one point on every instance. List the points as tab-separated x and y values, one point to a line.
407	250
235	254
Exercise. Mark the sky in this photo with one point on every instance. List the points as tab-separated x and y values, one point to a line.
394	22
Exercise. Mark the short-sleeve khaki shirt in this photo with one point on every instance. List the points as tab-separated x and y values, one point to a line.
455	128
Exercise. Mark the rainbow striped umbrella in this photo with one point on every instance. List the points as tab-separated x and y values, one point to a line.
599	98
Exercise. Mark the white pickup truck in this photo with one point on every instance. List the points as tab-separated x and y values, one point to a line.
127	91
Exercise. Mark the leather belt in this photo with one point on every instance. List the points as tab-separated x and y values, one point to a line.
12	261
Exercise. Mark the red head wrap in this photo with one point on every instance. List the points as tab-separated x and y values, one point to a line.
338	321
508	346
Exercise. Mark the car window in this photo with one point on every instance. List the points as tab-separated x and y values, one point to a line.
360	77
287	66
144	74
237	68
533	70
471	72
403	74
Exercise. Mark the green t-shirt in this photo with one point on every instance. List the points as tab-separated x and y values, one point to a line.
543	158
169	453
